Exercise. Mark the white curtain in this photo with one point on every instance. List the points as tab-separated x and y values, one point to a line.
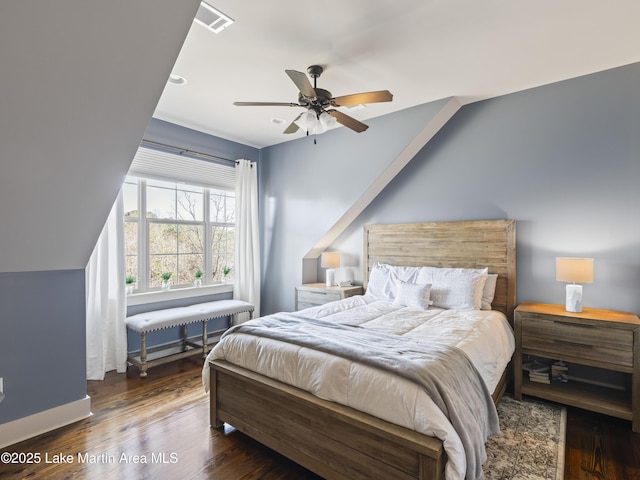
247	247
106	300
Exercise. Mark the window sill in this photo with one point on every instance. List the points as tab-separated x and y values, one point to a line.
177	294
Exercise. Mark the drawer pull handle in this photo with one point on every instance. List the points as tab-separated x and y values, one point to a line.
575	344
570	324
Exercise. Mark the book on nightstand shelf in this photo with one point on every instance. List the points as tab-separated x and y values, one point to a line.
538	372
559	372
539	377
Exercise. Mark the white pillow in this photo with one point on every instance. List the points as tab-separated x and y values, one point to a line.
380	285
413	295
384	279
489	291
455	288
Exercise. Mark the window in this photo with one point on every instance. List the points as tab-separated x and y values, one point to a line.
179	229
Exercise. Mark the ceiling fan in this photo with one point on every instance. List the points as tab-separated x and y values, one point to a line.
320	104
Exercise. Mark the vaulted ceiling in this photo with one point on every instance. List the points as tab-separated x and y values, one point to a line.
420	50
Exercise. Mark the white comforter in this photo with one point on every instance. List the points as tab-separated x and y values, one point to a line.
485	336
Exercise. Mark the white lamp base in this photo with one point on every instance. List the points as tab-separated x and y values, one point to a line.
574	298
331	277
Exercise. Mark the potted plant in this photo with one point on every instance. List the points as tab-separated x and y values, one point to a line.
225	273
166	280
198	281
130	284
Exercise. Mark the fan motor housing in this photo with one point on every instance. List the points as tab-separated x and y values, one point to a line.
323	98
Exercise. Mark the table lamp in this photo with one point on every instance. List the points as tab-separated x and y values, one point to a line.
330	260
572	271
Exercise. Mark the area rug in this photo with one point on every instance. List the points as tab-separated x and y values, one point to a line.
531	443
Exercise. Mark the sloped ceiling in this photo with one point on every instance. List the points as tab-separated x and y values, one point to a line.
420	50
79	82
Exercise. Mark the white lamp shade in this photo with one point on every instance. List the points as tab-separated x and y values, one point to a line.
574	270
330	260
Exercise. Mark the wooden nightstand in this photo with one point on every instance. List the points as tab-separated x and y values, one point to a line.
312	294
604	339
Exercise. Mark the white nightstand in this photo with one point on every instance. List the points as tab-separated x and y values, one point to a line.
312	294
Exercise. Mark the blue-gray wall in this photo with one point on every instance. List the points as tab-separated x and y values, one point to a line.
563	160
175	135
42	341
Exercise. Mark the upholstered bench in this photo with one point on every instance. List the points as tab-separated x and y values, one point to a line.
144	323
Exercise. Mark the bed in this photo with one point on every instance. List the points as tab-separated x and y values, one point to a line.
339	441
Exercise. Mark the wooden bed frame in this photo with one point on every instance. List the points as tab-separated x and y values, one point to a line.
338	442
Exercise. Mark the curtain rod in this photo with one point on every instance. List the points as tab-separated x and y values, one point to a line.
183	151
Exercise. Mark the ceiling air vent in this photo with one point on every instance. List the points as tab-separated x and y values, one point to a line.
210	18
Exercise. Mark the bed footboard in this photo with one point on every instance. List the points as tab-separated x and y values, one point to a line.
334	441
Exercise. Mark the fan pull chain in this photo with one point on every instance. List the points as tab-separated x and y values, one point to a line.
314	137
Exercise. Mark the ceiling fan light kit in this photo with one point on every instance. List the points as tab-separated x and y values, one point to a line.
321	105
327	121
313	123
307	120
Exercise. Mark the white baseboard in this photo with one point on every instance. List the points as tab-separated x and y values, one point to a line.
41	422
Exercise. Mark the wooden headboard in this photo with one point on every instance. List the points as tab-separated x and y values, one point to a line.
472	244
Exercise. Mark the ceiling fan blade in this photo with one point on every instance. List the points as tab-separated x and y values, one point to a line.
266	104
362	98
348	121
293	126
302	82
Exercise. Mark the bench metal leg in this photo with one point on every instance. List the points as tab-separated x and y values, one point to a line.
205	345
143	354
233	319
185	333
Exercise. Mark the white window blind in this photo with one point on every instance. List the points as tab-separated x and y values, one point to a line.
159	165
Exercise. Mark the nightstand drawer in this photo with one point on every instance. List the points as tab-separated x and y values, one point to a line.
318	298
314	294
564	350
586	341
559	328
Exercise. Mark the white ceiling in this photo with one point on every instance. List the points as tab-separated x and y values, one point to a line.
420	50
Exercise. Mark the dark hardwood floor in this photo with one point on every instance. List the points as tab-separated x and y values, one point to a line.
599	447
163	420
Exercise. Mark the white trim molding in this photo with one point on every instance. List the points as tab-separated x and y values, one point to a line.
42	422
178	293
